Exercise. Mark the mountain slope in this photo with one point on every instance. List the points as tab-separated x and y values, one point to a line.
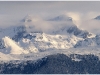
89	42
97	18
26	39
12	47
54	64
61	18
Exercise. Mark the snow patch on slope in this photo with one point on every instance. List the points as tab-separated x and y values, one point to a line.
31	43
89	42
12	47
42	41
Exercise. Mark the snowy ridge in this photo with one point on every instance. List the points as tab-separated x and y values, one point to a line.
89	42
97	18
44	41
40	42
11	31
61	18
24	42
12	47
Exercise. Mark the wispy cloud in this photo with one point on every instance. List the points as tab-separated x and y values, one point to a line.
82	13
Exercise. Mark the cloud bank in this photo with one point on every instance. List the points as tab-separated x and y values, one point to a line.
83	21
82	13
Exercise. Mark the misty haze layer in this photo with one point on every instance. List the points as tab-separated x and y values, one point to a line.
49	37
13	12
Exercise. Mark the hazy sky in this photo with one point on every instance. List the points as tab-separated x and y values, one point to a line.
80	11
47	7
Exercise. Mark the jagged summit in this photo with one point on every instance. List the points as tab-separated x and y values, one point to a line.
97	18
29	38
61	18
30	18
27	18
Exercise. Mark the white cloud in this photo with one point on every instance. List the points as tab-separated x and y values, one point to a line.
76	17
89	23
81	12
39	24
86	21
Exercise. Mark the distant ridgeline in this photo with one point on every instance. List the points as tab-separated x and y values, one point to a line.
55	64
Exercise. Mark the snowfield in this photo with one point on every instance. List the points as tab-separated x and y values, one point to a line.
27	42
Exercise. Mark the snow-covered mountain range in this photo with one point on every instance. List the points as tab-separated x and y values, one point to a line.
30	40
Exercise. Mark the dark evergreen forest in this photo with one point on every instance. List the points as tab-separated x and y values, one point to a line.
55	64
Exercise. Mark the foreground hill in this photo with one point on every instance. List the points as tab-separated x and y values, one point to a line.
54	64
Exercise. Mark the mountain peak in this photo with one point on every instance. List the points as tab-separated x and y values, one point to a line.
97	18
61	18
27	18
